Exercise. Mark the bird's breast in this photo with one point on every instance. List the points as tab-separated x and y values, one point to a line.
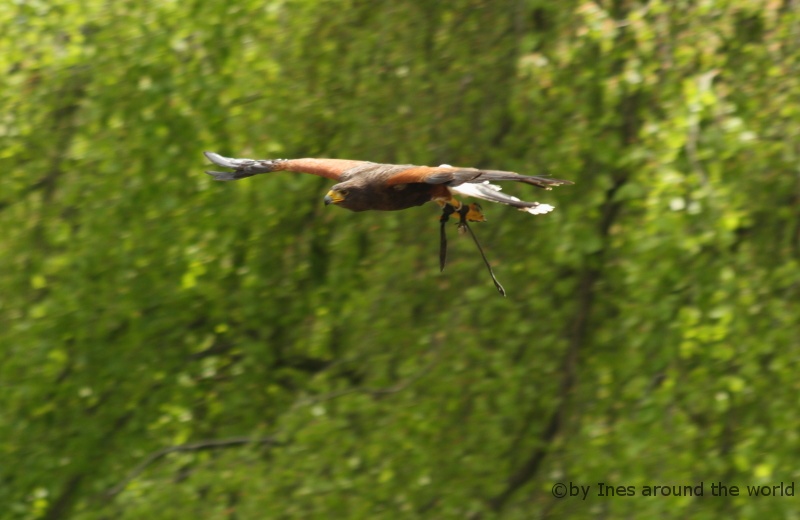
403	196
393	198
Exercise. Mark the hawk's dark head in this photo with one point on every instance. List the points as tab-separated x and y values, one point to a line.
351	195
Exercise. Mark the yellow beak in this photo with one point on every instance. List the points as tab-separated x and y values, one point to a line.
333	197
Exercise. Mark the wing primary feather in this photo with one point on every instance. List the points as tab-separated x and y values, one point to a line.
451	176
242	168
471	175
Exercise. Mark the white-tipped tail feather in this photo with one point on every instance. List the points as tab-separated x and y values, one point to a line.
541	209
491	192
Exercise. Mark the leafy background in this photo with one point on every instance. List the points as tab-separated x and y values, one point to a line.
178	348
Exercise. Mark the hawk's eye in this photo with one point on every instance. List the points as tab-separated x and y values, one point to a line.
343	193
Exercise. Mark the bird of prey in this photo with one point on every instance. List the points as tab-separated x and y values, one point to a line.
364	185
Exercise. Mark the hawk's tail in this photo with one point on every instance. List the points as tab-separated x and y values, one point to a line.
491	192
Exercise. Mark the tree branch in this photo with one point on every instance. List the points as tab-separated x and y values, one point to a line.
211	444
270	440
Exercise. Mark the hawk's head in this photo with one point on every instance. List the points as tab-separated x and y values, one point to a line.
350	195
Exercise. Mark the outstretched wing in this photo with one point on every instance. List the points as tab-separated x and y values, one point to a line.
452	176
242	168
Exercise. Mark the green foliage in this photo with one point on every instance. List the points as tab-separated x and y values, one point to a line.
649	336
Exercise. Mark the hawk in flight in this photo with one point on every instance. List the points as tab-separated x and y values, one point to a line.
364	185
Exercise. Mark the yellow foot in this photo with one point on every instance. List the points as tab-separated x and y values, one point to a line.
471	213
474	214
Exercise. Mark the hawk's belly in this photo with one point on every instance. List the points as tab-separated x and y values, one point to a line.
403	196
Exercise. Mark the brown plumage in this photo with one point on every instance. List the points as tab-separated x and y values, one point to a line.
364	185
